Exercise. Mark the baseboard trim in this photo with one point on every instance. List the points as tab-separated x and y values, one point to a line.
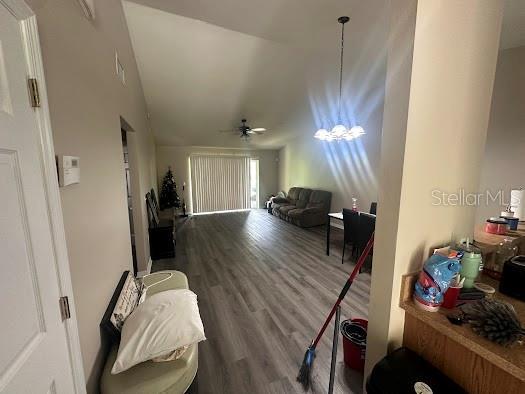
147	271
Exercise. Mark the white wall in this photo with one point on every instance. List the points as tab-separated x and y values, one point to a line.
347	169
178	158
453	68
504	160
86	102
395	117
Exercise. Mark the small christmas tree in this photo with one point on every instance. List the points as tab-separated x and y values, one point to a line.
168	194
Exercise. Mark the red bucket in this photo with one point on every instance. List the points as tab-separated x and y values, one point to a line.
354	343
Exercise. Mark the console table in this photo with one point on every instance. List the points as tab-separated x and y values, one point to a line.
162	240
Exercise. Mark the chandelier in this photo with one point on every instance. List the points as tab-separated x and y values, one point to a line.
340	131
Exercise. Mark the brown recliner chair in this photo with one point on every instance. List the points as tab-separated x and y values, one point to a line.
303	207
289	201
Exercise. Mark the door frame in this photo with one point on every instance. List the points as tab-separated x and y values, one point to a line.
35	69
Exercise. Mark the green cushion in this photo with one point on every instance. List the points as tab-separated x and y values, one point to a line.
177	281
173	377
170	377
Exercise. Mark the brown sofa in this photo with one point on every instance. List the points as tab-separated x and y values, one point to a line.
303	207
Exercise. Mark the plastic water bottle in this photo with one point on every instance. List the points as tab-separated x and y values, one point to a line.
354	204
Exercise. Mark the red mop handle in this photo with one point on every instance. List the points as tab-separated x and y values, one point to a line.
346	287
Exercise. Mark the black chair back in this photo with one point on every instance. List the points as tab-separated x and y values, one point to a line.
351	224
367	225
373	208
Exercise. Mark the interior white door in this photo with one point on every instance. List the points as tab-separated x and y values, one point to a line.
33	345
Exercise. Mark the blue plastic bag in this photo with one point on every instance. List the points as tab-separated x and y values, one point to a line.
435	278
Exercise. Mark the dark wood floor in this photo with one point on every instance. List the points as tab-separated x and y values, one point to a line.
264	288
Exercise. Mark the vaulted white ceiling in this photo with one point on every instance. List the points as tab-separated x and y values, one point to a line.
205	64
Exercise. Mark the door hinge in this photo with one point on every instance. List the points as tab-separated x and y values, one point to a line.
64	308
34	93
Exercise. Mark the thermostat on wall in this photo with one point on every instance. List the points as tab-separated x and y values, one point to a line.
68	170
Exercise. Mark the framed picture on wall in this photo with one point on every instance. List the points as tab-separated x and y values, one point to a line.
152	212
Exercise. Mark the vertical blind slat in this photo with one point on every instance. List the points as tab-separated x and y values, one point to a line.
220	183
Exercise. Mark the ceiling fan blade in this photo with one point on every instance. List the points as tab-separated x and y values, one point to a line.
229	131
256	129
256	132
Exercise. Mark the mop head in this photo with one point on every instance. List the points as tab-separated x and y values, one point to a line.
306	368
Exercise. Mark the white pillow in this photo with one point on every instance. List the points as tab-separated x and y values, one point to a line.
164	322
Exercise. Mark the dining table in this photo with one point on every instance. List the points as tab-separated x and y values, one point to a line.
336	216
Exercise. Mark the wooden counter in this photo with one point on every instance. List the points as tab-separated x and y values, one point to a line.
475	363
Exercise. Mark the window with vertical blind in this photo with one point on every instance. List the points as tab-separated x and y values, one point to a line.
220	183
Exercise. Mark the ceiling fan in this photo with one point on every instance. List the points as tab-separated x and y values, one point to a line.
245	131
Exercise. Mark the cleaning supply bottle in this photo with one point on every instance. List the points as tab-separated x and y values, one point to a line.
471	263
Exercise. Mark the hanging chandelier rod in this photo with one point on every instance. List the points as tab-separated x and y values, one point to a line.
342	20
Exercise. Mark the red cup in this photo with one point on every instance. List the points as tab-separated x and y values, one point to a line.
450	298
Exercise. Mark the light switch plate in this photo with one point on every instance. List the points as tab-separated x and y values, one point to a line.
68	170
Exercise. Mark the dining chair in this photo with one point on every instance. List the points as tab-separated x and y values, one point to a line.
373	208
367	225
351	224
